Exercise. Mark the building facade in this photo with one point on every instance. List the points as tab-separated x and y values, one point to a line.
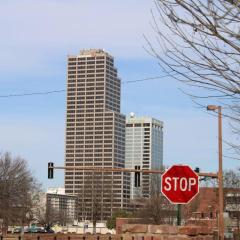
95	135
61	208
144	150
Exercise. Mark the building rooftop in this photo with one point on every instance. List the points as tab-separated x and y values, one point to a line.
143	119
57	190
92	53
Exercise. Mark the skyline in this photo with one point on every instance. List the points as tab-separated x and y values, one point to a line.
33	127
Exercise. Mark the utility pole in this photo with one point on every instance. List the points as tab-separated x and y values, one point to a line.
220	170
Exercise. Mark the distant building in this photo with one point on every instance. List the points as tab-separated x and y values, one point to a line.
144	150
60	208
56	190
201	207
232	202
206	209
95	135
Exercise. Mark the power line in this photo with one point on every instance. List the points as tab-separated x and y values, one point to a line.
123	83
32	93
64	90
145	79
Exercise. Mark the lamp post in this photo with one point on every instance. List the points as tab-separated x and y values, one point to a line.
220	170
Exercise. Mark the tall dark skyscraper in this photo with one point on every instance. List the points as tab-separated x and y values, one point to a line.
95	135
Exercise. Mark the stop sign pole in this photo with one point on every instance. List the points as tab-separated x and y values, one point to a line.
180	184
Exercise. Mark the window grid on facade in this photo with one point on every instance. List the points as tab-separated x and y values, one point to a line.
144	150
95	132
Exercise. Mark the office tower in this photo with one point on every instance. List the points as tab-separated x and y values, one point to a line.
144	150
95	135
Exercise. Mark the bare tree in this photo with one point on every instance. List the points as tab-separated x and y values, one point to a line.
16	187
97	198
97	191
94	191
198	43
52	216
39	213
157	209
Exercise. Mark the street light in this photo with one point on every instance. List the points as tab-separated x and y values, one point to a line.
220	169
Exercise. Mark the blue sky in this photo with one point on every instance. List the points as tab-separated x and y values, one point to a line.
37	36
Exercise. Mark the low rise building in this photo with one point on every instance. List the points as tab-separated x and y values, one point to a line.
60	207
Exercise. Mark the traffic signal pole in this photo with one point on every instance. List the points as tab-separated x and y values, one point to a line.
98	169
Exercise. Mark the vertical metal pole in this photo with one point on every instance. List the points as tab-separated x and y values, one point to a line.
220	175
179	214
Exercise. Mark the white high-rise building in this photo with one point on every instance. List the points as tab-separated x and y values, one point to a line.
144	150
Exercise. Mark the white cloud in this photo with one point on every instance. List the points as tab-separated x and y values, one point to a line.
115	25
36	34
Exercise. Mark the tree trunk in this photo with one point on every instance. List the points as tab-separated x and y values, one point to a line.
94	226
238	227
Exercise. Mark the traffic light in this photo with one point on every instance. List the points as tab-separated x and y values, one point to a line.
197	170
50	170
137	177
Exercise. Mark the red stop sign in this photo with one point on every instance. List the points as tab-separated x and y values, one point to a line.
180	184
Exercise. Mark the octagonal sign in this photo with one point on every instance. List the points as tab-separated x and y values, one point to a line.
180	184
